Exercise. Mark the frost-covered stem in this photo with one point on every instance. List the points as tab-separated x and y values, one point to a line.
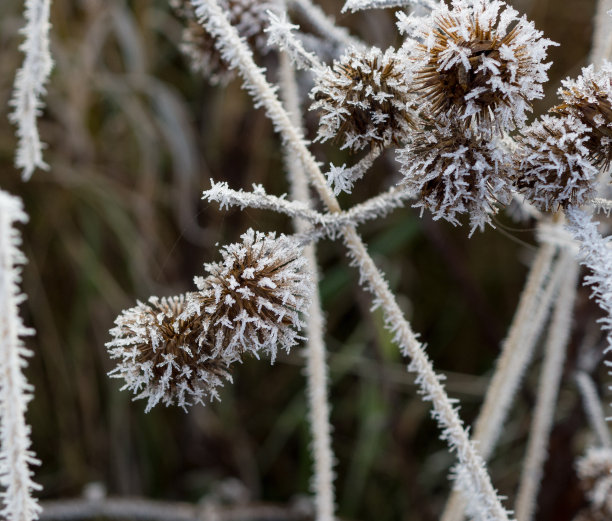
326	25
593	408
603	205
516	352
30	86
15	392
316	363
361	5
342	178
602	35
548	389
238	56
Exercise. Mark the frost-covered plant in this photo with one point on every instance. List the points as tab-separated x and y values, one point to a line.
589	99
478	60
552	163
595	474
253	301
163	356
455	170
364	99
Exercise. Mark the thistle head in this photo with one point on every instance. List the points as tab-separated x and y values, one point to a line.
364	99
478	60
162	356
253	299
455	170
248	16
589	99
552	163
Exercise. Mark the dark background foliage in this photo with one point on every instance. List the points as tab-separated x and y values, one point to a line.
133	138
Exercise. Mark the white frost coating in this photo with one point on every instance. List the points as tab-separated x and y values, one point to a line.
30	86
548	389
238	55
15	392
342	179
361	5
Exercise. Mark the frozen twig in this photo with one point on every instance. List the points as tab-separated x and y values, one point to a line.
361	5
342	179
548	389
237	55
593	409
30	86
15	392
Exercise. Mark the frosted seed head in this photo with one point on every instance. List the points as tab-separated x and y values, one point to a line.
256	296
455	170
161	355
589	99
364	99
552	163
478	60
248	16
595	474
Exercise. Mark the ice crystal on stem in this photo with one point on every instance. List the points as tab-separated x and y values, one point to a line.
364	99
253	300
249	17
15	454
589	99
163	355
479	60
552	163
455	170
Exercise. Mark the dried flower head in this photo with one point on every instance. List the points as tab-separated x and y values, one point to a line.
595	474
162	355
248	16
454	170
252	301
589	99
552	165
477	59
364	99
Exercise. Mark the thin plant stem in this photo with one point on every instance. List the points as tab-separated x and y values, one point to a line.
239	56
593	409
316	356
548	389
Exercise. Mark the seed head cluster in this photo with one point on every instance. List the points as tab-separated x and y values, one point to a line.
553	169
364	99
179	349
478	60
248	16
589	99
595	474
455	171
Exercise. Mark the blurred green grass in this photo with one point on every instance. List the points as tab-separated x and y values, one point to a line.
133	138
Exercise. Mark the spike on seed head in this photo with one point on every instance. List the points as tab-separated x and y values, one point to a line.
252	301
589	99
455	170
162	355
364	99
478	60
552	165
248	16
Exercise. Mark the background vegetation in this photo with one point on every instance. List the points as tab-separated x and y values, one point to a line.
133	138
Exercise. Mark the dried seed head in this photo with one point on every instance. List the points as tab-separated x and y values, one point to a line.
595	474
589	99
160	356
252	301
364	99
552	165
454	170
478	60
248	16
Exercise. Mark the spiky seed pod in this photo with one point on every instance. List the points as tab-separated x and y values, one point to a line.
478	60
364	99
248	16
163	356
589	99
454	170
253	300
595	474
552	165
